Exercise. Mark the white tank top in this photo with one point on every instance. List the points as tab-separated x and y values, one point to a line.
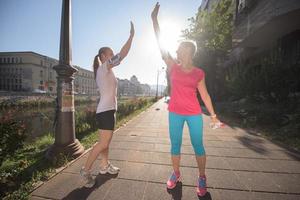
107	86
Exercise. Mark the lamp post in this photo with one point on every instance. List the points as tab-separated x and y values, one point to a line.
65	140
158	71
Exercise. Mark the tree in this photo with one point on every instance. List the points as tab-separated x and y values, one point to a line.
212	31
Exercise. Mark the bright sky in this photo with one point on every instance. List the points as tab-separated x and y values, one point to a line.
34	25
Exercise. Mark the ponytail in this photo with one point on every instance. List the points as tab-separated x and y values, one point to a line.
96	65
97	59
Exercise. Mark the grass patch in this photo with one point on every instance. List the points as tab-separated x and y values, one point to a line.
28	167
39	101
22	171
88	140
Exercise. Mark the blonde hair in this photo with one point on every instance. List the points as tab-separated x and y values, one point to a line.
191	45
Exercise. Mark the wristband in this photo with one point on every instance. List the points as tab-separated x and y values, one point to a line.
213	116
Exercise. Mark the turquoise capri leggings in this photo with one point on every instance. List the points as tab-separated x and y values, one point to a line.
195	124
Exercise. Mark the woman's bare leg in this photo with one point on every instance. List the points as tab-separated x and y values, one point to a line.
105	137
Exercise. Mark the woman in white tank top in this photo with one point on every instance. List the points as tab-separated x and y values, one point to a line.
106	82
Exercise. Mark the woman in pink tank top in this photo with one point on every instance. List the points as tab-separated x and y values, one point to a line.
185	80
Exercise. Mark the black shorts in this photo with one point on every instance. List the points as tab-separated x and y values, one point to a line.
106	120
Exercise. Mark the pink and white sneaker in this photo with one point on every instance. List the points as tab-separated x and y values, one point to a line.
173	180
201	186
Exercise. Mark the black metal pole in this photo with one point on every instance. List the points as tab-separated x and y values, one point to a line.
156	95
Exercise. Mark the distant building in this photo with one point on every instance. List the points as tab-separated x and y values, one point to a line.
125	88
84	82
132	87
262	25
32	72
146	89
134	80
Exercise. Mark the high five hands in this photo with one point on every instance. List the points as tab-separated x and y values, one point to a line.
131	29
155	11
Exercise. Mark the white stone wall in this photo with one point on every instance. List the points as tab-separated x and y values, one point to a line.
37	73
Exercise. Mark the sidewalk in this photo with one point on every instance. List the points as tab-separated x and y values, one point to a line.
240	166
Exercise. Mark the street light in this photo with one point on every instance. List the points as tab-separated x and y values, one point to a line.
158	71
65	140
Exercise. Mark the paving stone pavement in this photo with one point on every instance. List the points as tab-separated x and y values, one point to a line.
240	166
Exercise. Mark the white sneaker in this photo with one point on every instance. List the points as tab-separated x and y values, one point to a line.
109	169
87	177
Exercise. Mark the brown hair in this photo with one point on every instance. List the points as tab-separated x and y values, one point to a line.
97	59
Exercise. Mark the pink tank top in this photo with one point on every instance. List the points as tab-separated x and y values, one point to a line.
183	90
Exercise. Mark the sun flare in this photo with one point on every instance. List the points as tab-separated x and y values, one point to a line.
170	35
169	38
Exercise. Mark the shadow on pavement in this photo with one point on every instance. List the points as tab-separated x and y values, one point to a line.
206	197
83	192
255	144
176	192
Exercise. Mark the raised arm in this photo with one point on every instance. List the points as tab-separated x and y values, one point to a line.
165	54
125	49
116	60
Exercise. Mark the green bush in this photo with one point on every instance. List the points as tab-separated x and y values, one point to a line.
27	165
267	77
128	107
85	122
12	135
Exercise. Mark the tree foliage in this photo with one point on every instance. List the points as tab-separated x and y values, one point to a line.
212	31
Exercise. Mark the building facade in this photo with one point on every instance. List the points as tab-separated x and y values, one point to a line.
84	82
33	72
260	26
133	87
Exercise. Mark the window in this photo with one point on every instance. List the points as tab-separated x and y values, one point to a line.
41	73
8	60
41	82
12	60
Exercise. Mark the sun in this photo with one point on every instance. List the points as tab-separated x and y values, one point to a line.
170	35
